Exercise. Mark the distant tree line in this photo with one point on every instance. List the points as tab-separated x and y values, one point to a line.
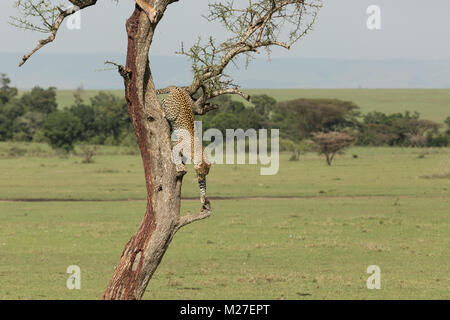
299	120
34	116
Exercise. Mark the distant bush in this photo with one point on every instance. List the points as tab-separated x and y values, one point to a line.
5	128
27	125
298	119
88	153
105	119
39	136
62	129
40	100
21	118
395	129
447	122
16	151
6	92
436	139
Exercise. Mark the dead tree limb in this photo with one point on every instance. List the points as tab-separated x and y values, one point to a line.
53	26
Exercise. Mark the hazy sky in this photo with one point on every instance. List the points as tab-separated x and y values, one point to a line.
411	29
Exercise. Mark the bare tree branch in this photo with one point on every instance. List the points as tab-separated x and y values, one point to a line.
229	91
189	218
32	9
123	71
51	22
257	24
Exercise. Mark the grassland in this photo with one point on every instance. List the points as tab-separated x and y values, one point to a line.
433	104
309	232
117	175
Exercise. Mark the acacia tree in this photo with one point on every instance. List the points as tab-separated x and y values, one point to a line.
252	26
331	143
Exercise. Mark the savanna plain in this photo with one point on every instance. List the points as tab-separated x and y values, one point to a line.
308	232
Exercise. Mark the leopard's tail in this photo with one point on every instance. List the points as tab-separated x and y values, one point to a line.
202	170
202	185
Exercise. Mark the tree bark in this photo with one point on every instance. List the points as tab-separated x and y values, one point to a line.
145	249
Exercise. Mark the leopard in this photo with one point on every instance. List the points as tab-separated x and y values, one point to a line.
178	110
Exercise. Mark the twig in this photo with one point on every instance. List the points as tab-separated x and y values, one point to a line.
124	71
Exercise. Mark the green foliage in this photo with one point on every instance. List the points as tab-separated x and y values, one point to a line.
298	119
111	117
39	136
447	122
13	109
86	115
263	104
62	129
234	114
395	129
105	118
6	92
223	121
27	125
431	103
40	100
104	121
296	148
434	139
21	118
5	128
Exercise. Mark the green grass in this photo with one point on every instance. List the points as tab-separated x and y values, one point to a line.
265	249
117	175
433	104
388	207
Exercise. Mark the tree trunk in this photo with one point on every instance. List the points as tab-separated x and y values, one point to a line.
328	159
145	249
